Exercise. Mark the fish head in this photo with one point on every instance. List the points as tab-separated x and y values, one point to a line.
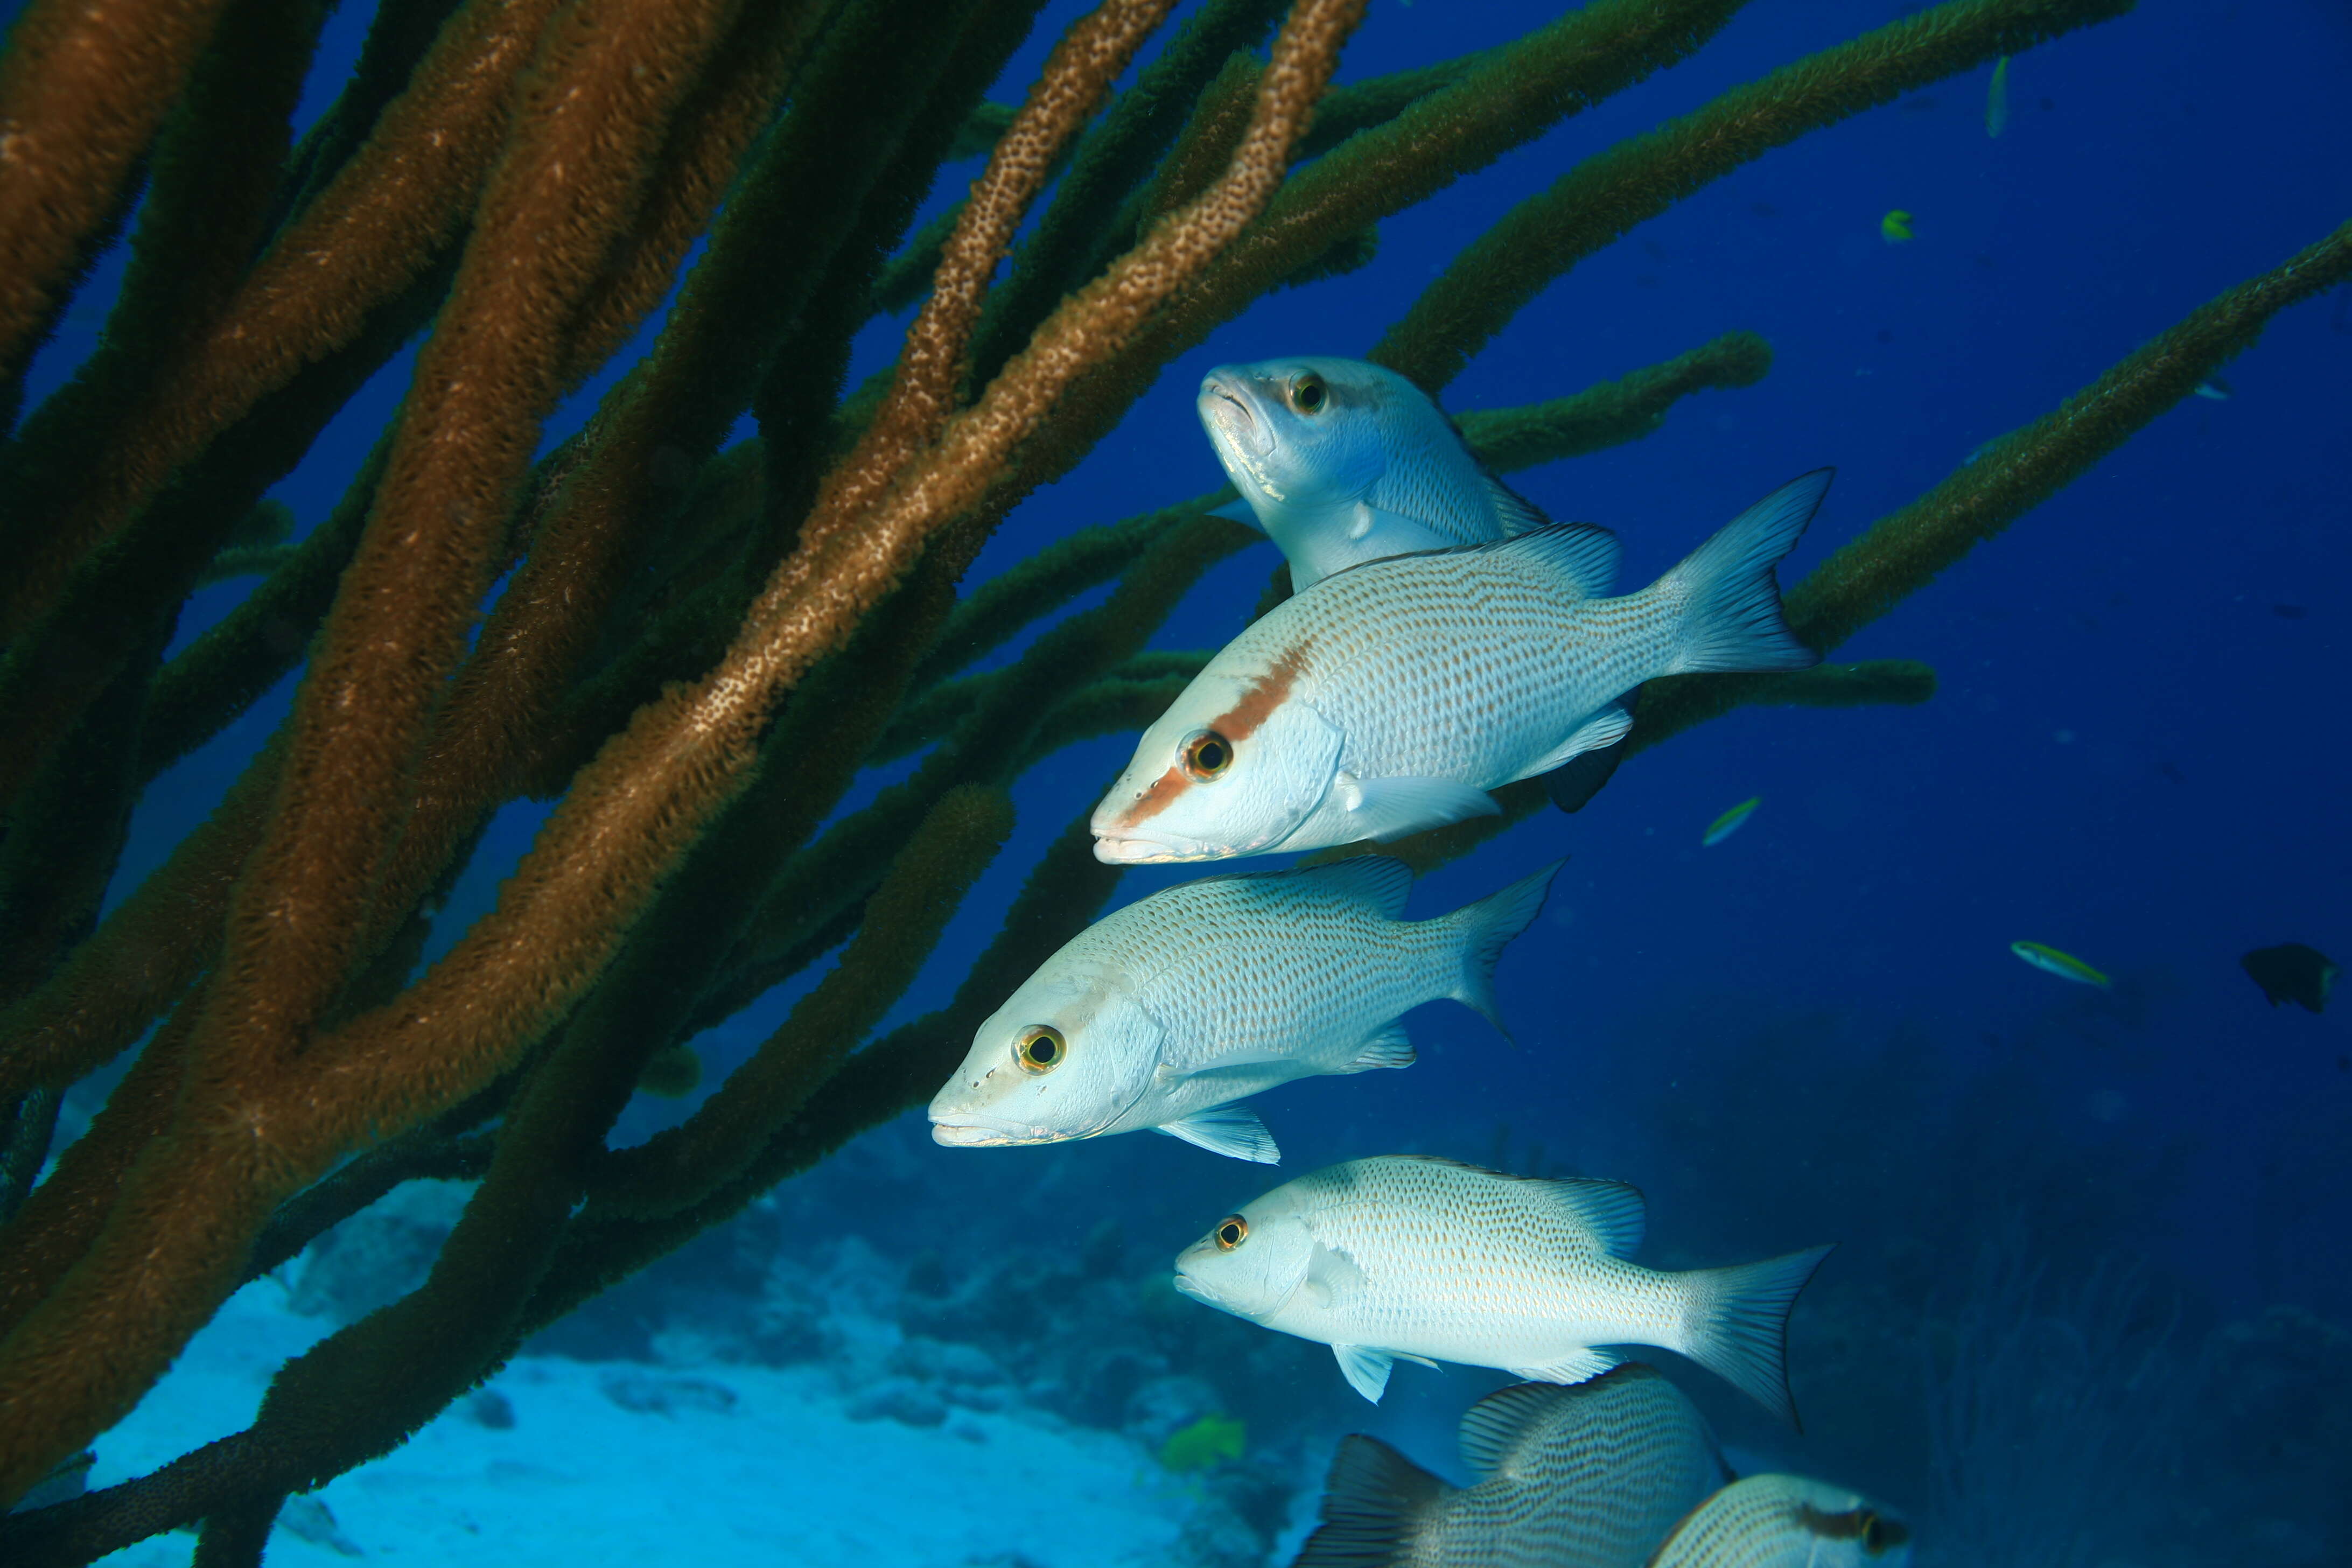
1233	767
1844	1529
1253	1262
1301	434
1068	1055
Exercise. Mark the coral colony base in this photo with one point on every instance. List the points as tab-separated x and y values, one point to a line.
288	1184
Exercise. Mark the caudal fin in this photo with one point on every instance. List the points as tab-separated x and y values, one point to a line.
1373	1505
1731	616
1486	928
1736	1324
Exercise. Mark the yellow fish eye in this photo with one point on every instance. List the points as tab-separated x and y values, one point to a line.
1308	393
1207	754
1231	1232
1040	1049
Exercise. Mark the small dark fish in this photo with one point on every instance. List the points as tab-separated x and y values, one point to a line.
2289	612
2293	973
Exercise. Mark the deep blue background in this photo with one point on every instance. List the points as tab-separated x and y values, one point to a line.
2137	753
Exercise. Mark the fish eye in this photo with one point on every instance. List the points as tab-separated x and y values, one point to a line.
1881	1534
1207	754
1231	1232
1040	1049
1308	393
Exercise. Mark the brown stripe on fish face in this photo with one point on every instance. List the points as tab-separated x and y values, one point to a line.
1237	724
1876	1533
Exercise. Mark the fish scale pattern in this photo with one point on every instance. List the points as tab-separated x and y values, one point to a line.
1473	1265
1595	1475
1469	664
1298	964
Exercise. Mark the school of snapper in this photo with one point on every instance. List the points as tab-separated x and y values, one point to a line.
1444	638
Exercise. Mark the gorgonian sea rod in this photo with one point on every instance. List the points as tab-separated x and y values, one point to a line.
695	646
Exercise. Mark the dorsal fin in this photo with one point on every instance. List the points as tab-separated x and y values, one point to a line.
1498	1427
1514	511
1380	880
1584	557
1497	1424
1613	1211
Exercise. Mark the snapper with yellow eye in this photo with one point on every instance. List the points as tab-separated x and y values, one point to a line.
1163	1014
1390	698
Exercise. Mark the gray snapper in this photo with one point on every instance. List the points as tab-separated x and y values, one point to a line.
1589	1476
1787	1521
1403	1256
1341	461
1161	1013
1392	696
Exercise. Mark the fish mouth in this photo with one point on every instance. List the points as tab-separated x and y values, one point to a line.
1232	423
967	1132
1116	849
1187	1286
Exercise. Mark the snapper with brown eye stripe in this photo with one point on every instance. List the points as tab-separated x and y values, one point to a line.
1393	697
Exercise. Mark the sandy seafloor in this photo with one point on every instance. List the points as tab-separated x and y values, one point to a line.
781	1470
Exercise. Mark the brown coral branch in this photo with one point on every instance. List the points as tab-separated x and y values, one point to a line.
376	228
82	89
1068	92
604	85
143	954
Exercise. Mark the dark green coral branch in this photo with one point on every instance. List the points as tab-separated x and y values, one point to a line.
1598	200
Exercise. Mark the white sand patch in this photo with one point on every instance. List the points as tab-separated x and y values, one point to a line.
780	1476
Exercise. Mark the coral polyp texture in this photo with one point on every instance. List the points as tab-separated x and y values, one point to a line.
694	644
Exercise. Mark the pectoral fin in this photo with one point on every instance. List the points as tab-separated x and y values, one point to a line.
1226	1129
1398	534
1237	510
1332	1276
1391	808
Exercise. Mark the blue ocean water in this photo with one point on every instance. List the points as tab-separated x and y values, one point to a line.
2119	1216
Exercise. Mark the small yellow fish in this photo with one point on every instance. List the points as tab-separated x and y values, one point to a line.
1895	228
2064	965
1724	827
1213	1440
1997	99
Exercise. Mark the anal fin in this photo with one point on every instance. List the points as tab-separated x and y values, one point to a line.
1603	730
1574	1367
1226	1129
1389	1047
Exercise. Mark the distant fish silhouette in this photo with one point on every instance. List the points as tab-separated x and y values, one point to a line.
2293	973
